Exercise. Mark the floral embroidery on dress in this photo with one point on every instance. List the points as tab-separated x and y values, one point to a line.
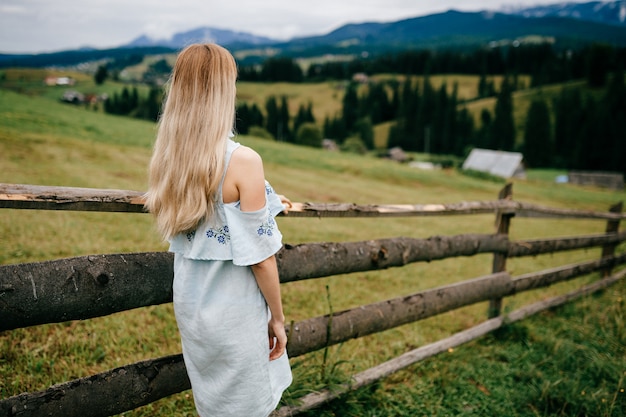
267	228
268	189
222	234
190	235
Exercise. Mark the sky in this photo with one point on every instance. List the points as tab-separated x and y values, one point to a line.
37	26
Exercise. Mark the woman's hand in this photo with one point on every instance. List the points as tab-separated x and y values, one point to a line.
278	338
286	202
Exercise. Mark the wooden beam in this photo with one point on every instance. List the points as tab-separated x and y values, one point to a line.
551	245
551	276
298	262
37	197
19	196
498	264
147	381
96	285
104	394
83	287
612	226
310	335
369	376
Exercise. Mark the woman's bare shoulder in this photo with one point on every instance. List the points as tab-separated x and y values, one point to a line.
246	157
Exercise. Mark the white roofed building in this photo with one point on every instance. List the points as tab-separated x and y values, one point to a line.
499	163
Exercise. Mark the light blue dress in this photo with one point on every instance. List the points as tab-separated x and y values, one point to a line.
221	313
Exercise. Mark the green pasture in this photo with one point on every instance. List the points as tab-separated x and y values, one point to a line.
568	362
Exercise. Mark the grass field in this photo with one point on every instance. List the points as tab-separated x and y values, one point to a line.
567	362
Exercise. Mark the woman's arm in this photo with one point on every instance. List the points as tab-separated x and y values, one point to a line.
266	274
247	175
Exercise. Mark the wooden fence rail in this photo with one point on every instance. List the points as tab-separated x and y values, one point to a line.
143	382
96	285
19	196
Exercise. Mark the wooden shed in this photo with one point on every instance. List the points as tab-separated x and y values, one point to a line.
499	163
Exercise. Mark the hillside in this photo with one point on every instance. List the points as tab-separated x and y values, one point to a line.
462	29
46	142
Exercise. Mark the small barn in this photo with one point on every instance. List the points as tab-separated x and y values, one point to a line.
612	180
498	163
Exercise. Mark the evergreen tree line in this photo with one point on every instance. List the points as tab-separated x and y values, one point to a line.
279	123
544	62
427	120
129	103
588	132
577	130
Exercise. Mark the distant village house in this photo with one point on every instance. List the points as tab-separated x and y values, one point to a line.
499	163
52	81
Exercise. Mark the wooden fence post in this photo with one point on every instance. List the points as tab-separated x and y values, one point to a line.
612	226
503	220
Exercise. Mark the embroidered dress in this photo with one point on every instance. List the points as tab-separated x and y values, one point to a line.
221	313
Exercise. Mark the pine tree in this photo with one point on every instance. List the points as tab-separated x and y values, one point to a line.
568	118
335	129
464	132
304	115
284	132
616	102
485	137
350	103
101	75
425	117
271	109
365	131
242	119
598	61
503	124
538	144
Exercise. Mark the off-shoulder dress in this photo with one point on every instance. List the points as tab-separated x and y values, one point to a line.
221	313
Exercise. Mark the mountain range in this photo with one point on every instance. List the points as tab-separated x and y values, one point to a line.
609	12
207	34
574	21
564	24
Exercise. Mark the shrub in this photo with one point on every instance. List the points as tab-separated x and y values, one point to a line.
259	132
309	135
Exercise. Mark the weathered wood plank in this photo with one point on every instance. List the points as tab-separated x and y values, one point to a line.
82	287
23	196
551	276
147	381
37	197
326	259
498	264
369	376
612	226
92	286
312	334
104	394
551	245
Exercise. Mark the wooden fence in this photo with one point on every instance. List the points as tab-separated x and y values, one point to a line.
90	286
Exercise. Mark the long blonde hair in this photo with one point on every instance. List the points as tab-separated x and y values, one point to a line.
188	158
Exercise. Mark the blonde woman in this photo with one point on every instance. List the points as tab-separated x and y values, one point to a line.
211	201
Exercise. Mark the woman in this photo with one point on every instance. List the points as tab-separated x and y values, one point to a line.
211	201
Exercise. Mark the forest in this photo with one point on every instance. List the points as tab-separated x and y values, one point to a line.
582	128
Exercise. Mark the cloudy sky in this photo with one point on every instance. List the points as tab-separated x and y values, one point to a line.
34	26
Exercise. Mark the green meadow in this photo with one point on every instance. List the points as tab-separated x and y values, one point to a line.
569	361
